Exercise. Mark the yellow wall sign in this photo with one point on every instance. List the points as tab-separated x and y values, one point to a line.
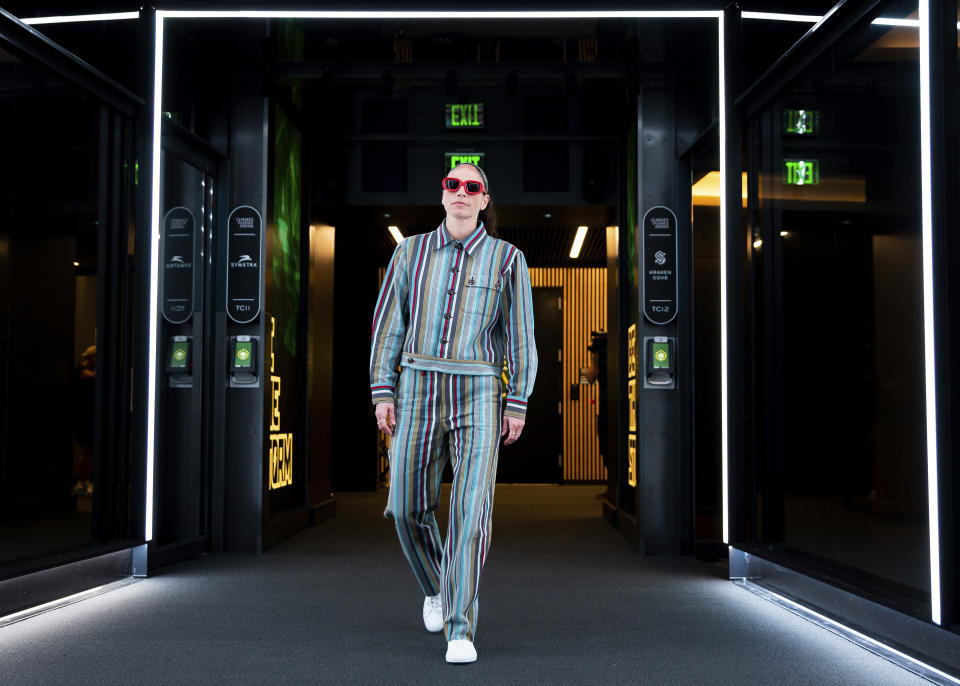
281	444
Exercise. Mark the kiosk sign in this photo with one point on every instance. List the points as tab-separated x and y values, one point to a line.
244	228
177	282
659	265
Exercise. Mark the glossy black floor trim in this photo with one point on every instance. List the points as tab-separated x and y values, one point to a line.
31	590
920	647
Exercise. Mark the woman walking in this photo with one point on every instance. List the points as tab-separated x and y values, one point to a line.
455	306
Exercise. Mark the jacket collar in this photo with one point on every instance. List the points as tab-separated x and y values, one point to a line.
470	243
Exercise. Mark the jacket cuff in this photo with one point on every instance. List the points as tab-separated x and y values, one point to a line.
516	408
382	394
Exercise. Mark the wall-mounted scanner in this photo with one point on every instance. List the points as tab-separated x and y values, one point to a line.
660	368
243	362
179	365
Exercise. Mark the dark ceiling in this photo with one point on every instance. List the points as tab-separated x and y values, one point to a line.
544	234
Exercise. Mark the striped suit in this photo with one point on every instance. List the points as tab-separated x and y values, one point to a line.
450	314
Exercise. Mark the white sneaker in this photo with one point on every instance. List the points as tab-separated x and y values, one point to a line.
433	613
461	651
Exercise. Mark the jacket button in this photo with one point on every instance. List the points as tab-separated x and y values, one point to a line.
443	340
454	270
410	360
459	246
447	316
451	292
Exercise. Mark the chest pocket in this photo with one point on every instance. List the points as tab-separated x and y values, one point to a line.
482	294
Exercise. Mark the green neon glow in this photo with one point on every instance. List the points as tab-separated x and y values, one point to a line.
285	239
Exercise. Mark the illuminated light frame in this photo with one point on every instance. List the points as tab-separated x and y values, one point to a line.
395	232
578	242
724	359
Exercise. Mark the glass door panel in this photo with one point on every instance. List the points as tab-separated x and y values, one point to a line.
64	469
182	474
838	316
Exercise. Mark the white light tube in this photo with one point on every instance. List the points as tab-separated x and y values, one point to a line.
154	248
778	16
578	242
883	21
43	607
929	359
395	232
435	14
70	19
724	381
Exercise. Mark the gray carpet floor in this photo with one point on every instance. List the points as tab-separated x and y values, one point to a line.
563	600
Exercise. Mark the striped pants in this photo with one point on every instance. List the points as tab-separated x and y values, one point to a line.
444	416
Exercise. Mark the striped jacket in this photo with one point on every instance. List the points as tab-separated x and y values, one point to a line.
462	307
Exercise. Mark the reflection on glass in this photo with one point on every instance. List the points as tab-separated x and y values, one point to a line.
705	222
838	254
50	483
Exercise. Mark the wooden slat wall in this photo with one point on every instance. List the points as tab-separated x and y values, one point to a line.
584	310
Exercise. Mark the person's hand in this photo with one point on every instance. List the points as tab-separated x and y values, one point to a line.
386	418
512	427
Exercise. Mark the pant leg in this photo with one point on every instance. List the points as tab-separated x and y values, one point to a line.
416	468
473	443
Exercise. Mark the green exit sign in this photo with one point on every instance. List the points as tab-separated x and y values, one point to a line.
801	172
801	122
455	158
466	116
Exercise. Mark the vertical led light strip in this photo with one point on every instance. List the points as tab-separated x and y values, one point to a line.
724	410
154	272
926	213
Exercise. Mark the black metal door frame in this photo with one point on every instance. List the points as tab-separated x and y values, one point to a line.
185	146
116	518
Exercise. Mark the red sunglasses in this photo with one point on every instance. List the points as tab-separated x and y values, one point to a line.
452	183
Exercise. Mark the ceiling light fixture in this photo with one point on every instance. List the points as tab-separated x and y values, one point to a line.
70	19
395	232
578	242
